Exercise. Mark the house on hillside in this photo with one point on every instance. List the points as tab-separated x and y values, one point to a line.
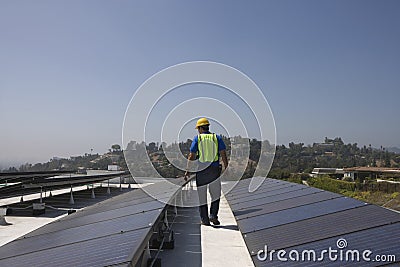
370	172
334	172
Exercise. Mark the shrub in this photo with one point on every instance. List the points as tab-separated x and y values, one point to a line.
294	178
329	184
394	195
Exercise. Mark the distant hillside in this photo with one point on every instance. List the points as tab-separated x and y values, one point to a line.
87	161
394	150
332	153
294	158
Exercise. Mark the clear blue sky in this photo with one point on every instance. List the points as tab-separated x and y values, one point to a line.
69	68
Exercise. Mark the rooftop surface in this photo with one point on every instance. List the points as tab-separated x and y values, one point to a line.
296	219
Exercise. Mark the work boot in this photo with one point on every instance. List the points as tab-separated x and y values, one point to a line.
205	222
215	221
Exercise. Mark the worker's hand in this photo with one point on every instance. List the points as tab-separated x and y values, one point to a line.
186	175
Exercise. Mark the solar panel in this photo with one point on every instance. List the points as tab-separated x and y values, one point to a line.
103	251
272	197
111	232
295	217
261	194
237	196
297	213
383	240
78	234
21	176
79	220
32	182
284	204
321	227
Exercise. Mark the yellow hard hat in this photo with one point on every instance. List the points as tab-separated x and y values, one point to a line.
202	122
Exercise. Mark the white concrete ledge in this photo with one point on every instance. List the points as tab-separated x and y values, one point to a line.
224	245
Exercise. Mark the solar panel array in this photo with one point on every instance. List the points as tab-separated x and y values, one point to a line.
25	183
300	220
112	232
22	176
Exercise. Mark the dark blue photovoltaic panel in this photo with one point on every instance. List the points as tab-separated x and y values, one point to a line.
81	233
284	204
243	187
282	215
112	232
97	217
298	213
237	195
305	231
24	183
104	251
271	197
260	193
383	240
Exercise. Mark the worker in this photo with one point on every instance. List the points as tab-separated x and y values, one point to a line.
207	147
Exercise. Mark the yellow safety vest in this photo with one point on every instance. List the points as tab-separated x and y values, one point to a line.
207	147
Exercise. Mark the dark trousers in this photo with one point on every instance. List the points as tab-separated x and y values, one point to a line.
209	178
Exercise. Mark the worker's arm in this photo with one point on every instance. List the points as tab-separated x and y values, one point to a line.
192	156
224	158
